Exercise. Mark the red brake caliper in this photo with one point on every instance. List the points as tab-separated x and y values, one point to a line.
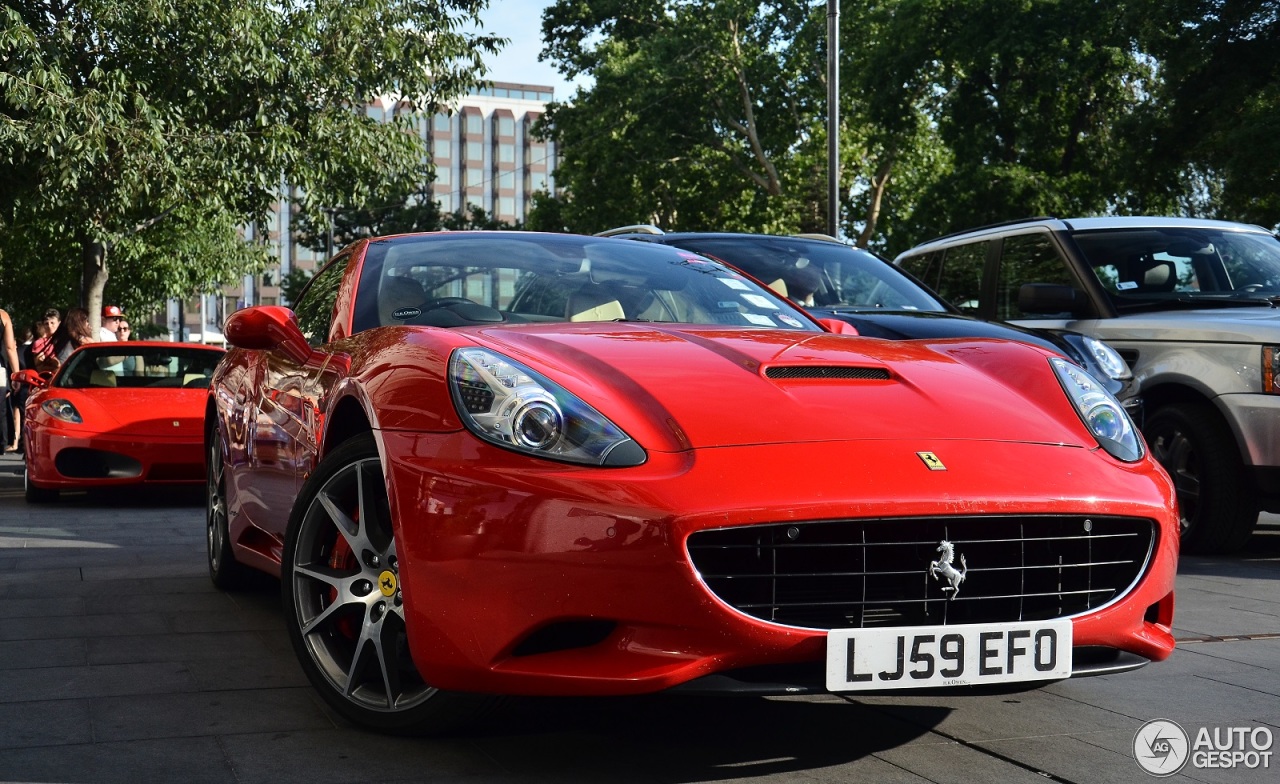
342	559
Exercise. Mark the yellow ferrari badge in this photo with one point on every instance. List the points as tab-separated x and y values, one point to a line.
931	461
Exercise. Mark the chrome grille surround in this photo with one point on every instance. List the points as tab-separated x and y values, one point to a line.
875	572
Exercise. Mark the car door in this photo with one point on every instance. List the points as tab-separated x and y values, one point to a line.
289	420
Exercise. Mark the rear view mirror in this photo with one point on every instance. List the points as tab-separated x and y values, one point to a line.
30	377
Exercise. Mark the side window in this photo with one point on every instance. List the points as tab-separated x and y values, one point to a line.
315	307
960	280
1028	258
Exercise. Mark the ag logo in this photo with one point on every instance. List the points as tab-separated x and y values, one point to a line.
1161	747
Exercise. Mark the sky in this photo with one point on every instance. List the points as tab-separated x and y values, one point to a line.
521	21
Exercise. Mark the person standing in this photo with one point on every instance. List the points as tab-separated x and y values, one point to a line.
41	349
112	315
9	361
73	332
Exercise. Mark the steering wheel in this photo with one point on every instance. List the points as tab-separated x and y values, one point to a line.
444	302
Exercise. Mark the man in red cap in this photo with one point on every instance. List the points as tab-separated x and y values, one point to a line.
111	316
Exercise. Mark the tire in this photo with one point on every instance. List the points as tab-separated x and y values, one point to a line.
225	571
1217	507
343	606
36	495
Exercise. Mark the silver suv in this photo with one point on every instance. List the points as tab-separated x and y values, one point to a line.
1194	308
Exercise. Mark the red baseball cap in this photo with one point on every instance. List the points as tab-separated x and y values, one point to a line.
112	311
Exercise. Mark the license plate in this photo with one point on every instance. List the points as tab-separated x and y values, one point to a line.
930	656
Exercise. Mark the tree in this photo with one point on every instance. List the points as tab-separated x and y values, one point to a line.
136	137
1211	125
1032	101
701	116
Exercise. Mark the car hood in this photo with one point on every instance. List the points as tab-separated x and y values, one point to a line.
707	387
147	413
900	325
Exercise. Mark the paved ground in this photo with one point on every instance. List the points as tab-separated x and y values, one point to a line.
119	662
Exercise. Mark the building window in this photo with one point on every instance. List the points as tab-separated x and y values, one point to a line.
442	148
475	176
506	126
507	179
537	153
474	127
474	151
537	181
506	153
506	205
443	175
442	122
446	201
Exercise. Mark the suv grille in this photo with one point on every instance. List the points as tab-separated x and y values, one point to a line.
872	573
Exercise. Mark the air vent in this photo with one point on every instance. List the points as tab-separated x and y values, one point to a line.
787	372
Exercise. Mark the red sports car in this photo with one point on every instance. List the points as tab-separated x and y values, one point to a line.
509	463
118	414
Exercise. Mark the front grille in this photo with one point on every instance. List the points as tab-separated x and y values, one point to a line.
788	372
875	573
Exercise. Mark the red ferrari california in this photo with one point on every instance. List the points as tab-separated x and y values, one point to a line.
510	463
118	414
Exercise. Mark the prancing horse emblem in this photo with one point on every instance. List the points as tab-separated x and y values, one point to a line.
943	567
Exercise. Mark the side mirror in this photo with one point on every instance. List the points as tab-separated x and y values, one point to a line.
838	327
269	327
1048	298
31	377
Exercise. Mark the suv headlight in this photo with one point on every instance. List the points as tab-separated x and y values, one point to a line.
1108	359
1101	413
513	406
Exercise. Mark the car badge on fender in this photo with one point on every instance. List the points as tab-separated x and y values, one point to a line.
931	461
943	567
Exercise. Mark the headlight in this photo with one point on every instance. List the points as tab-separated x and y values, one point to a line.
1100	411
1108	359
62	409
508	404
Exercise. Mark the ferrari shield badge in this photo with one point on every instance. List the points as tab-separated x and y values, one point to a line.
931	461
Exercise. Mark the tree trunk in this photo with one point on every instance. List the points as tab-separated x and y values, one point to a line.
878	184
93	281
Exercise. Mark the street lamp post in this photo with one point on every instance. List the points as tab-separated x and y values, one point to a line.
833	118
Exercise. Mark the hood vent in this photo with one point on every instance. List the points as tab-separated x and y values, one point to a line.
790	372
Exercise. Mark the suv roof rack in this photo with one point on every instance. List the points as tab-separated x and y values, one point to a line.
1001	224
635	228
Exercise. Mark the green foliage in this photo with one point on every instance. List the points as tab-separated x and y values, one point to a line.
953	113
293	283
144	133
699	116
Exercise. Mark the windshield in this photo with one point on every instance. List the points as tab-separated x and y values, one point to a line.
477	278
134	365
815	273
1150	267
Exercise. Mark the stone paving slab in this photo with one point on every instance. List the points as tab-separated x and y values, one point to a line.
119	662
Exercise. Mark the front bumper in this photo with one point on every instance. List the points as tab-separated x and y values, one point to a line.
527	577
70	460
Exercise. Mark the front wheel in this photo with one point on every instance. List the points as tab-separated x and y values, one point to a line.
1217	507
344	608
